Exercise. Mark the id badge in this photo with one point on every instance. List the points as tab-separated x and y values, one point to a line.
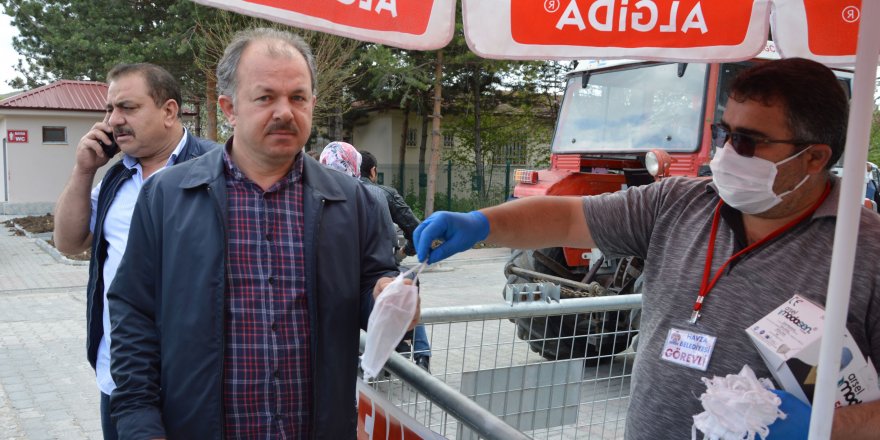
691	349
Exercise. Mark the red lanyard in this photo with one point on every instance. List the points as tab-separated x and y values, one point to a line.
706	285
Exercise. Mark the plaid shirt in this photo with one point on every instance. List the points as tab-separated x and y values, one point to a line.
267	378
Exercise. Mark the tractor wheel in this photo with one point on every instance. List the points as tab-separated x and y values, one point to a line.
596	335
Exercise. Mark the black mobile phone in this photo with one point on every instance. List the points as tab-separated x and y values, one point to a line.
113	148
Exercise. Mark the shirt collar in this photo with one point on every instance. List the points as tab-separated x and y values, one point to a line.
828	208
133	162
232	170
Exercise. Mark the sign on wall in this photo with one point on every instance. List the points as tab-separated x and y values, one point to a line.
17	136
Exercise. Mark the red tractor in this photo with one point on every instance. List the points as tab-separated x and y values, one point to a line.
621	124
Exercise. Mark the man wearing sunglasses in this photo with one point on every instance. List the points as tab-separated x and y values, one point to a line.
720	253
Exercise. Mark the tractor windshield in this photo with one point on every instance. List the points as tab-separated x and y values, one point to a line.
632	109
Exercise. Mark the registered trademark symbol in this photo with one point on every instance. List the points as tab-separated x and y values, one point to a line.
851	14
551	5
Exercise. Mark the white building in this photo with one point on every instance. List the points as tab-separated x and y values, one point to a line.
40	130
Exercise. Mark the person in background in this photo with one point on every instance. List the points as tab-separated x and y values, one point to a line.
143	118
403	217
870	184
401	214
720	253
249	274
344	157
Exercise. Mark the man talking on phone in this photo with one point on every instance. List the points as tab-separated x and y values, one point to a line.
142	122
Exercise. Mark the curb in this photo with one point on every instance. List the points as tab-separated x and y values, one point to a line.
42	241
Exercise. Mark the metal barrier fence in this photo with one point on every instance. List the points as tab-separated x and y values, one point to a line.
479	358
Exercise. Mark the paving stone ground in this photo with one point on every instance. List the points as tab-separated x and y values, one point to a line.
47	388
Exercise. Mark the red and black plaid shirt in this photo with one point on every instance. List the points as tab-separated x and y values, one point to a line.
267	377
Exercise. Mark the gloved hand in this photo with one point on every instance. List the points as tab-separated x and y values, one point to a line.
796	425
458	232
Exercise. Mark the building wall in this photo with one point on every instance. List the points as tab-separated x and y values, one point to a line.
374	134
412	150
4	169
379	133
37	171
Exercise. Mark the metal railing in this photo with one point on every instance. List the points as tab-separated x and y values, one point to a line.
487	382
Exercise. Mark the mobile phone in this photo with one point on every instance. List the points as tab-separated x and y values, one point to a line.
113	148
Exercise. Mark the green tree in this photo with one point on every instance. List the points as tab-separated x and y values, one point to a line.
396	78
82	40
334	60
874	140
515	136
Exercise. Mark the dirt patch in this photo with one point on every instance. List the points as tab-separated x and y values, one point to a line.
34	224
39	224
82	256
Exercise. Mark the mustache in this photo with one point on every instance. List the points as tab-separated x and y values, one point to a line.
282	126
119	131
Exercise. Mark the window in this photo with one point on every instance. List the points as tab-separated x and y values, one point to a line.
633	108
515	153
54	135
448	140
411	137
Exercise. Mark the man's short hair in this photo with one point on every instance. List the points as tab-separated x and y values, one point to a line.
814	101
227	68
161	84
368	162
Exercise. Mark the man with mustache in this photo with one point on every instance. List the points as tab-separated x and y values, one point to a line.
249	272
143	117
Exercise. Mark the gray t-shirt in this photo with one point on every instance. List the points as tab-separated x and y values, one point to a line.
668	224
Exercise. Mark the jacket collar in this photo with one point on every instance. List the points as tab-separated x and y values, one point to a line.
209	167
318	177
190	148
203	170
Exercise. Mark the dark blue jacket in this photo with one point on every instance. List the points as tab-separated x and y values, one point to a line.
113	179
167	303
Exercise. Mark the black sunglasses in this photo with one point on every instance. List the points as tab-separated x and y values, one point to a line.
744	144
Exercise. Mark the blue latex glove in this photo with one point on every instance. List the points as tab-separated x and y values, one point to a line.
458	231
796	425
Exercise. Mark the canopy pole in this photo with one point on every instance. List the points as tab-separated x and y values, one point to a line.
847	227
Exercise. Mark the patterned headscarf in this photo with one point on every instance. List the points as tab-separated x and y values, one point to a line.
342	157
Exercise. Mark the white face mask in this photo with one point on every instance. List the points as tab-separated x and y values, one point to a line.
867	177
746	183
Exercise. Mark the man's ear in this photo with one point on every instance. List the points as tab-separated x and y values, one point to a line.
818	156
374	174
227	107
169	111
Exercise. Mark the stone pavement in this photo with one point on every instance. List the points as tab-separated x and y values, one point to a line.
47	388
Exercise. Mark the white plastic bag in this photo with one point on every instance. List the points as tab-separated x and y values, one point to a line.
391	316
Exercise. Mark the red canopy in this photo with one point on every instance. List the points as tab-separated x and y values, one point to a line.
680	30
408	24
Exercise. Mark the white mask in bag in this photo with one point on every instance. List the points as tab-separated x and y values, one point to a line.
391	316
746	183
